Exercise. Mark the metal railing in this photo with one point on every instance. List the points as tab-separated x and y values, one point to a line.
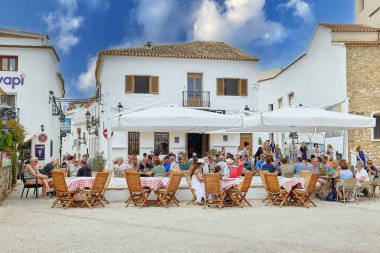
196	99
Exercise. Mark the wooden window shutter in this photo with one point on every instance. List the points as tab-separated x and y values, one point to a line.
153	85
129	84
243	87
219	86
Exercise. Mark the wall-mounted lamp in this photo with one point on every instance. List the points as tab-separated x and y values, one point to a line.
42	128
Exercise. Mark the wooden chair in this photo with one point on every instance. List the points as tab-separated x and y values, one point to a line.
63	195
64	170
94	195
102	196
238	195
164	196
137	194
288	174
213	188
368	185
276	194
262	173
188	180
349	185
303	195
305	174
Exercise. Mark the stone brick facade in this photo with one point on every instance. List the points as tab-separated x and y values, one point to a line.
5	182
363	89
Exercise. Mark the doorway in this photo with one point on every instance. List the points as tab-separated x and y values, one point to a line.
198	143
194	89
246	138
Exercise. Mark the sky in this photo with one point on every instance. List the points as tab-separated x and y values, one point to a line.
276	31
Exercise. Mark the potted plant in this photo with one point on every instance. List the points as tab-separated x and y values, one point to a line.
97	162
212	152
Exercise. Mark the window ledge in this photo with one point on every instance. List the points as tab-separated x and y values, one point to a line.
234	97
141	94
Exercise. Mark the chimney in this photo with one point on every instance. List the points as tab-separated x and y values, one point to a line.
148	44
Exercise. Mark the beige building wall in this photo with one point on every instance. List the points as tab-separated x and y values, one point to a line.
363	89
367	12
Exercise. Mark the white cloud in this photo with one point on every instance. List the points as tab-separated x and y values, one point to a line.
300	9
94	5
63	25
86	80
240	22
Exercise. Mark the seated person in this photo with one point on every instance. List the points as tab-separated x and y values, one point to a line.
344	173
144	166
121	166
260	162
149	160
158	168
84	171
167	163
300	165
372	170
218	169
268	164
49	167
285	167
226	169
361	174
32	176
74	167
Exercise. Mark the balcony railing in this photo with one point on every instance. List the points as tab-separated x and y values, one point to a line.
196	99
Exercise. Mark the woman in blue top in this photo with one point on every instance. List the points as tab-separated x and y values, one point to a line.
344	174
360	154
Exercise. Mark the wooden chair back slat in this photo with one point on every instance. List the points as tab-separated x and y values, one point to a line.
212	183
288	174
305	174
99	182
174	181
349	183
133	181
108	179
64	170
262	173
312	182
272	182
59	181
247	181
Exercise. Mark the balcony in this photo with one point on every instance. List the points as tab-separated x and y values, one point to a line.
196	99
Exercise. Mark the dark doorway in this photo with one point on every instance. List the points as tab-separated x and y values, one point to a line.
198	143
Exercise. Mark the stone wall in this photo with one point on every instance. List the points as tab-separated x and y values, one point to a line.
363	89
5	181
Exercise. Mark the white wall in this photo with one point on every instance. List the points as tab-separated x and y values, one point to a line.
216	141
39	68
319	78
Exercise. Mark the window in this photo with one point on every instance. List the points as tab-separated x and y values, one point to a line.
270	107
9	100
361	5
161	143
376	129
231	87
279	103
133	143
8	63
141	84
291	98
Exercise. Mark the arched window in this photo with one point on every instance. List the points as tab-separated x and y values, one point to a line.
376	129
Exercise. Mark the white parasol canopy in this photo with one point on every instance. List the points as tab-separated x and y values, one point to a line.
173	118
304	119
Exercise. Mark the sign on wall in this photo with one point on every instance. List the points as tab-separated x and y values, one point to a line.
12	80
39	150
42	138
66	126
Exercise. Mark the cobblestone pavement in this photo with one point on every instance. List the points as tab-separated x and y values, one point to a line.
30	225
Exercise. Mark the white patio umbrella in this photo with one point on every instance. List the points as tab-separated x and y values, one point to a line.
173	118
304	119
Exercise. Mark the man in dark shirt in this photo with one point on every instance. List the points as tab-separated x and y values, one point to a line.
49	167
84	171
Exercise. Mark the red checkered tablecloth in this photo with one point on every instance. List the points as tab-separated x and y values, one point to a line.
154	183
228	183
81	183
290	184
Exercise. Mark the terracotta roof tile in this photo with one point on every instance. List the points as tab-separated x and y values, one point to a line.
197	50
89	103
349	27
361	43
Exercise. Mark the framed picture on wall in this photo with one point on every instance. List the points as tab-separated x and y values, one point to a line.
225	137
176	139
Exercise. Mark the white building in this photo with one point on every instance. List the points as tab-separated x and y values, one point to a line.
205	75
28	74
367	12
320	78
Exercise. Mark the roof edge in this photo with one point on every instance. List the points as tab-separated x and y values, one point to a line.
33	47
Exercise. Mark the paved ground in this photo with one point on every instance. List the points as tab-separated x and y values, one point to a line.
30	225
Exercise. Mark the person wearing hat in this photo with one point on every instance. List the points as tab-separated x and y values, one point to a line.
226	169
197	180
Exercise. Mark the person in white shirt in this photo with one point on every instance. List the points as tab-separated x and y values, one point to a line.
73	168
120	166
173	164
361	174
